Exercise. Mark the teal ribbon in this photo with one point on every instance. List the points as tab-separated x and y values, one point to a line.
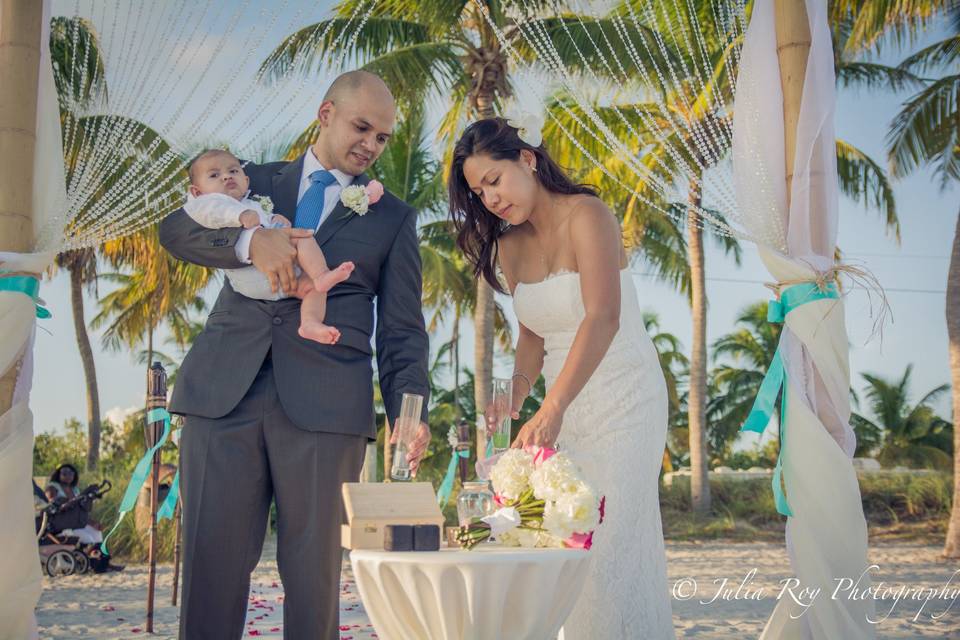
776	379
169	505
446	487
140	472
28	285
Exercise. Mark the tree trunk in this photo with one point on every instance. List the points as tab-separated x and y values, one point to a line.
455	361
483	326
89	367
697	398
483	359
952	547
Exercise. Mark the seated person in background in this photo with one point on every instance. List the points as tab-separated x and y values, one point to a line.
62	487
76	521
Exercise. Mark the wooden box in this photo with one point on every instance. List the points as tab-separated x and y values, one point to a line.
373	505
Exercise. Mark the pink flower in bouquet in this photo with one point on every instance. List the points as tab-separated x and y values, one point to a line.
603	506
374	191
579	541
540	454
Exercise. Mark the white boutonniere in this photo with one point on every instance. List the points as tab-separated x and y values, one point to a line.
358	198
529	125
265	203
452	438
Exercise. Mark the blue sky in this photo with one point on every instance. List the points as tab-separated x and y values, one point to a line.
913	273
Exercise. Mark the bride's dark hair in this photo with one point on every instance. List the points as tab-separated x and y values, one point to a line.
477	228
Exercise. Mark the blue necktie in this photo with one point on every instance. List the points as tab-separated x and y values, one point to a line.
310	207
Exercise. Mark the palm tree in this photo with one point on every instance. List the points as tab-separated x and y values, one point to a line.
79	86
911	435
79	77
156	289
749	351
449	49
662	132
673	362
925	133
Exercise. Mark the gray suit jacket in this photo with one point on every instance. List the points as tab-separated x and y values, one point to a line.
321	387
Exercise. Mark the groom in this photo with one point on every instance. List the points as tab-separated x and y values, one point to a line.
272	416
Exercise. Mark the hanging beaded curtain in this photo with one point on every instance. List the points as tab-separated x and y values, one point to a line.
643	89
143	85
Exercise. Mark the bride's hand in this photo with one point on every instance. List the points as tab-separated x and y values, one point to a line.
542	429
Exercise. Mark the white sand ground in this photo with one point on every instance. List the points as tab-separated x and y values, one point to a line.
109	606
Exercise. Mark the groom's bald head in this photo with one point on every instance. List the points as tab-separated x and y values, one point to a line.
359	83
356	119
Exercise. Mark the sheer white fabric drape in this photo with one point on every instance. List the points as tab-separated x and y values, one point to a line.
20	580
827	535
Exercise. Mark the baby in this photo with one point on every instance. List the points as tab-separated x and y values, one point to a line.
218	198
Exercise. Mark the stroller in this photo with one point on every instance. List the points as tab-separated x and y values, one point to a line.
61	554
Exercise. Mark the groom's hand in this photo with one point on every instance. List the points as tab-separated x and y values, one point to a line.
417	448
272	252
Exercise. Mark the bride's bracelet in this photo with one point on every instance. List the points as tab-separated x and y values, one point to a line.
517	374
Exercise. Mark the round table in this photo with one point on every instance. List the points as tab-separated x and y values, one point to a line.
490	592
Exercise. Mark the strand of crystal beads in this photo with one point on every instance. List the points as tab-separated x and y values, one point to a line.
246	124
714	94
624	154
722	228
649	121
222	89
306	80
630	191
677	86
113	203
699	69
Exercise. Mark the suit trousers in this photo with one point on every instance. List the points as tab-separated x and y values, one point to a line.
231	469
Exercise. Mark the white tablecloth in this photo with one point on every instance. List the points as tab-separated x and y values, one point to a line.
491	592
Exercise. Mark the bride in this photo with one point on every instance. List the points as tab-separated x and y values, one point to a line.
560	252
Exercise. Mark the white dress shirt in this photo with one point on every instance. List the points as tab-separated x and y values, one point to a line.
331	195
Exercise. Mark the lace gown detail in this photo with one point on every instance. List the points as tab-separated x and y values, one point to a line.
615	430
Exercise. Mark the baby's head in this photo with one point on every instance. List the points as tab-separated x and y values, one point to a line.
217	171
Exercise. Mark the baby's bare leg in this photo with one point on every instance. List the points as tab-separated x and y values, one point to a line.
312	261
312	312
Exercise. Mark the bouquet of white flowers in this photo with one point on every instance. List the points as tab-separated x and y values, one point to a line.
544	502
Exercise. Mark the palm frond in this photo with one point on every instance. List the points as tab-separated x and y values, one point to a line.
864	180
926	132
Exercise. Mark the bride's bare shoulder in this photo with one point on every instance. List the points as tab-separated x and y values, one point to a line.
587	210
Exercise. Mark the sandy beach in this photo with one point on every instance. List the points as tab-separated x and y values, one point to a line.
110	606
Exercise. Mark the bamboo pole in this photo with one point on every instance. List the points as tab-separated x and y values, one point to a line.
156	399
178	520
793	48
20	29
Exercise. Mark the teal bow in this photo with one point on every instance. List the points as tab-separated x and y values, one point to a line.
28	285
446	487
776	378
140	473
169	505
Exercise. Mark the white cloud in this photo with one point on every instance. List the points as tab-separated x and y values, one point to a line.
117	415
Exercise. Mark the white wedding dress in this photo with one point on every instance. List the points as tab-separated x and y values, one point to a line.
615	430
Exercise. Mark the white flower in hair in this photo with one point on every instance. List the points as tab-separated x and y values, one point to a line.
529	125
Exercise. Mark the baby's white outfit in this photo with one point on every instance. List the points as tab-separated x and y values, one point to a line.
218	210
